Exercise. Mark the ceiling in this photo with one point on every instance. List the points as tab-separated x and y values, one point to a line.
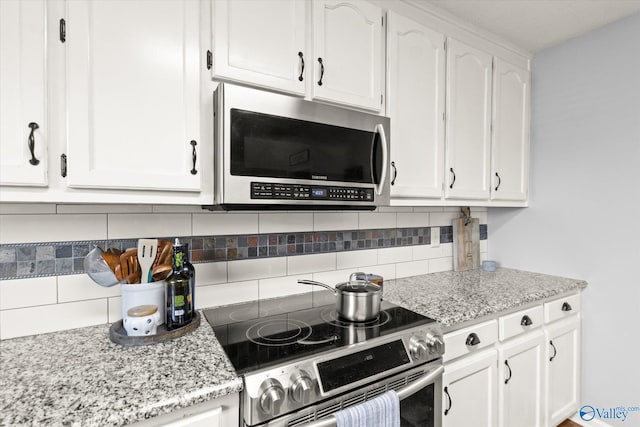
537	24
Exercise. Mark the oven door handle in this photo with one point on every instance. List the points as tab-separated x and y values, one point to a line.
403	393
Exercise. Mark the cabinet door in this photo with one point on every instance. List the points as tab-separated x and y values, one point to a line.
415	97
563	369
133	94
520	381
469	391
468	124
261	42
347	53
23	147
510	137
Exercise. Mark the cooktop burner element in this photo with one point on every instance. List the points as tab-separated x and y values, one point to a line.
278	332
331	316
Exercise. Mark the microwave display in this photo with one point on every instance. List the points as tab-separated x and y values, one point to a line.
264	145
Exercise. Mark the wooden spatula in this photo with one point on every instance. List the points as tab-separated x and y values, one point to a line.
147	249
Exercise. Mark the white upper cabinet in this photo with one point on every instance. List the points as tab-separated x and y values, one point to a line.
510	137
262	42
347	53
133	94
23	126
327	50
468	122
415	99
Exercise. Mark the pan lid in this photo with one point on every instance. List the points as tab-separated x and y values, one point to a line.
358	286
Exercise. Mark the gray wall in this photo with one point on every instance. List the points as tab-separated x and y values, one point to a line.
584	214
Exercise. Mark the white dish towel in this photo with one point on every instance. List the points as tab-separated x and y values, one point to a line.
382	411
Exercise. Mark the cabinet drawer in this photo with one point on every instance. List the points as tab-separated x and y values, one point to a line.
561	308
520	322
455	343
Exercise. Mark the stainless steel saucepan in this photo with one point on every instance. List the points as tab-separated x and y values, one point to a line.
356	300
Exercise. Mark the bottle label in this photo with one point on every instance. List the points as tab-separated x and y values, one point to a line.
179	312
178	301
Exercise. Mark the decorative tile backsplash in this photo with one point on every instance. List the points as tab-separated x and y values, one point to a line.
26	260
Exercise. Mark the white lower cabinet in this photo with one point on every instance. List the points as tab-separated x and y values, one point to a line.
220	412
469	391
563	369
521	381
517	370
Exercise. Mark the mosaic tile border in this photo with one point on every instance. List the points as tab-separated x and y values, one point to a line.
21	261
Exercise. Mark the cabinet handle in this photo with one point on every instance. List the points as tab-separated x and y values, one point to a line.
506	362
63	30
526	321
555	351
499	181
395	173
566	307
454	177
63	165
31	142
321	71
446	411
194	157
209	59
473	339
301	56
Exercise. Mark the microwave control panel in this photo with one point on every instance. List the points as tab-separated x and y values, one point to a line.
264	190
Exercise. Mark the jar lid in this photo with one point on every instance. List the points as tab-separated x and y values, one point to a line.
142	310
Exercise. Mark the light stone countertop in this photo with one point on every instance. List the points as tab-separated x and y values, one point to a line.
453	298
80	378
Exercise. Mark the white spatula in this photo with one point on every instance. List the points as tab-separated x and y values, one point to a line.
147	249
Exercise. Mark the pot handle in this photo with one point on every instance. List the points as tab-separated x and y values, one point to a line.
311	282
356	274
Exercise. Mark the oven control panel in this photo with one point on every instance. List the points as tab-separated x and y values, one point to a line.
271	191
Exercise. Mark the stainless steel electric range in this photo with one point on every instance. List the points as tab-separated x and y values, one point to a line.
300	363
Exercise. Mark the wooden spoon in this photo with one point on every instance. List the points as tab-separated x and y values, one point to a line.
161	272
111	259
129	264
165	252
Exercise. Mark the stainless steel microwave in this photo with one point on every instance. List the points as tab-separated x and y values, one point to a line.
275	151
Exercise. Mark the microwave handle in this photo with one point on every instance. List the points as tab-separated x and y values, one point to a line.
385	159
403	393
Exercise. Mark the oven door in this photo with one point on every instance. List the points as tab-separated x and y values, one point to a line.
421	407
419	390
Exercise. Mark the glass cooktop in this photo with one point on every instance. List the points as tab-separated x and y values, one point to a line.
261	334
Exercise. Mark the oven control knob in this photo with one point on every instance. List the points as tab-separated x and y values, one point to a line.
271	397
435	344
419	348
301	388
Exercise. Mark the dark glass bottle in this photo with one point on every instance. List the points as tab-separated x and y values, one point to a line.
189	270
178	294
